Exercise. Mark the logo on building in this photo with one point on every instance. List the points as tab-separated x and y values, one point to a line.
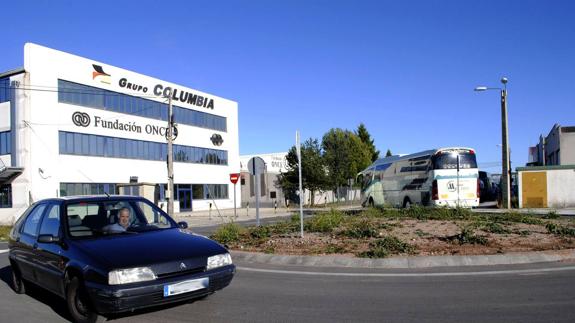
451	186
217	140
81	119
99	74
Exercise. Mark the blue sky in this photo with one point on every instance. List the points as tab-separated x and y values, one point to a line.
406	69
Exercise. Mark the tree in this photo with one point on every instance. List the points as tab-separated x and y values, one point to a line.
365	137
388	153
344	155
312	170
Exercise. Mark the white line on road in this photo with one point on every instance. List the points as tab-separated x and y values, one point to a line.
3	250
474	273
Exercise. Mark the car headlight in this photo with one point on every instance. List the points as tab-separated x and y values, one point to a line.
219	261
132	275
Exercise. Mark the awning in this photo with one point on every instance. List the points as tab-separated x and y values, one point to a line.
8	174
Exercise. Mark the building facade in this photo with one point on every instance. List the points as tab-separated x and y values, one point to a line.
74	126
557	148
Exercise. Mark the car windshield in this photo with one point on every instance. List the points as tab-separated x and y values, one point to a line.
114	217
449	161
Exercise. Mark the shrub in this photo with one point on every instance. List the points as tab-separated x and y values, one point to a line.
467	236
228	233
5	232
494	227
551	215
361	228
325	221
560	230
386	246
261	232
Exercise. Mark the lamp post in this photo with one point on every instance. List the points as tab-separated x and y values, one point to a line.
505	171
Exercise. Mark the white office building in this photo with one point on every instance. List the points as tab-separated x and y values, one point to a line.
74	126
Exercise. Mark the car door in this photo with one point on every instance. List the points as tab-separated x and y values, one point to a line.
26	257
50	256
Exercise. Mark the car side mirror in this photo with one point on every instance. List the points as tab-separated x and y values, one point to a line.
48	238
183	225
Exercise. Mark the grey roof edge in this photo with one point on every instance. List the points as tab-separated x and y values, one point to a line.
534	168
9	73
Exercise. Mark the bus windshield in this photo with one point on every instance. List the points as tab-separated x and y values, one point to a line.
449	161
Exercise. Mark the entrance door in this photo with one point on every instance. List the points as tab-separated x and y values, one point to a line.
185	198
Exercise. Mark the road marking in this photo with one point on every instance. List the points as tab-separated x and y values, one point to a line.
473	273
4	250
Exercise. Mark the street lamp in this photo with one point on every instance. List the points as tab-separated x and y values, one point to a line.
505	171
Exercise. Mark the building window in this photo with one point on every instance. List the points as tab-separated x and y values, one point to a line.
216	191
88	96
72	189
5	143
5	90
5	196
93	145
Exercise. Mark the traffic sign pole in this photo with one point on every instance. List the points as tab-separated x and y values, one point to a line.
234	179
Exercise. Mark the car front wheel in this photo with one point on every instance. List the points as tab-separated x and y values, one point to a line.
17	282
79	304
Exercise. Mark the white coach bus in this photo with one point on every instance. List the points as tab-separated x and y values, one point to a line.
437	177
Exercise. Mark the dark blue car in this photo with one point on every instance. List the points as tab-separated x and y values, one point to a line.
111	254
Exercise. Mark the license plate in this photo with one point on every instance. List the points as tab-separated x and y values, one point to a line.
186	286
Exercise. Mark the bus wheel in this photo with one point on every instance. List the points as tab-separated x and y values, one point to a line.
406	203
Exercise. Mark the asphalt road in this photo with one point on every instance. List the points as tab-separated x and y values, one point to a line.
534	293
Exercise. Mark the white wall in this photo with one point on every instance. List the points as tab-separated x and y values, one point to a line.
561	188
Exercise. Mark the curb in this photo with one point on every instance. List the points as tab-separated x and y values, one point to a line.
513	258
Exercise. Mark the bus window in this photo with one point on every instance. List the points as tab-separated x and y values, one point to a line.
449	161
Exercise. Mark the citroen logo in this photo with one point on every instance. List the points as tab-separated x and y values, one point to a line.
81	119
182	266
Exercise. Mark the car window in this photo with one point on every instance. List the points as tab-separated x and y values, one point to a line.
51	221
154	216
32	221
92	219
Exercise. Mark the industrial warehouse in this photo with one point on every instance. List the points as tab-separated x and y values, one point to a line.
74	126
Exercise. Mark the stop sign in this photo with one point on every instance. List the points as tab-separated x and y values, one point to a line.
234	178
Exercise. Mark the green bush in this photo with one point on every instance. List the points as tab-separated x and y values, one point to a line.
515	217
386	246
228	233
261	232
496	228
5	232
552	215
560	230
466	236
361	228
324	222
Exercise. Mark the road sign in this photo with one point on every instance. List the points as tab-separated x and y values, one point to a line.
256	166
234	178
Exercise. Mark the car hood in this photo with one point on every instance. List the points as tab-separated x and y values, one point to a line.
151	248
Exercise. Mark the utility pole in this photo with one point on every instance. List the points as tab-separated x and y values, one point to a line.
170	138
505	174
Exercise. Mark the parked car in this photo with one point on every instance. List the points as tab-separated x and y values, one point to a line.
488	191
111	254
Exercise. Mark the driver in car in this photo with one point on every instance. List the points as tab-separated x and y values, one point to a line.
123	221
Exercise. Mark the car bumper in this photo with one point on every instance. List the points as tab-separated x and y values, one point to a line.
467	203
122	298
